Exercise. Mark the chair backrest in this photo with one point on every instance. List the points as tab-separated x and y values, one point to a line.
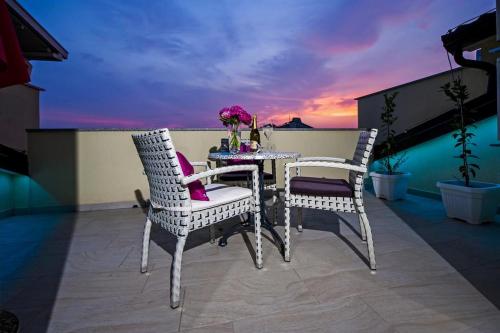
364	147
161	165
362	154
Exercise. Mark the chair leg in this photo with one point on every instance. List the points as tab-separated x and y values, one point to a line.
366	231
369	240
258	241
211	229
275	207
299	219
287	233
362	228
175	274
358	204
145	246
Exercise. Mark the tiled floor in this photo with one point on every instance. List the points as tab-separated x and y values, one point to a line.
80	273
473	250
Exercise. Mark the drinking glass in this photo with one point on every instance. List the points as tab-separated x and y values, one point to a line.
268	132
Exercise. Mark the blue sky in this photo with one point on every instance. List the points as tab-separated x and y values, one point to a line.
146	64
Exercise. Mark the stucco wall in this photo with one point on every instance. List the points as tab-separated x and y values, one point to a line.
93	169
19	110
419	101
53	168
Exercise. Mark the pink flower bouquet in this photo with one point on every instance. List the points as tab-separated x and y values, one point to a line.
234	115
231	117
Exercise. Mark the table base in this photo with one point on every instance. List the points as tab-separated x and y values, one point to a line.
248	226
264	220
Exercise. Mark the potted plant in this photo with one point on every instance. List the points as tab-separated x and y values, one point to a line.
472	201
388	182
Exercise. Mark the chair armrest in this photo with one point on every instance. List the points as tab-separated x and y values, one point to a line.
322	159
206	165
202	164
218	171
337	165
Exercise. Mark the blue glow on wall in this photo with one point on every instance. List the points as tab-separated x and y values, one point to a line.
19	194
14	193
433	160
6	193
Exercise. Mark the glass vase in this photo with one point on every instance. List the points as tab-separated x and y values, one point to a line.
234	136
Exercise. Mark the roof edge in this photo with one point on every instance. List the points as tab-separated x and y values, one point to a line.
39	29
409	83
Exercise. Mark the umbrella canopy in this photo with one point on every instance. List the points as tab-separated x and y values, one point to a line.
3	56
13	66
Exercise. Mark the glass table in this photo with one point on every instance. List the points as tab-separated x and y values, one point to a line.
259	158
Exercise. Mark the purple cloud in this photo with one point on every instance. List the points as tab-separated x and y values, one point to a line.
176	63
357	25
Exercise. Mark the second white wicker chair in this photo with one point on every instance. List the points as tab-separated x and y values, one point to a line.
171	205
335	195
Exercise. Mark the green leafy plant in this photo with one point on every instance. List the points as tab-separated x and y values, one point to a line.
390	162
458	93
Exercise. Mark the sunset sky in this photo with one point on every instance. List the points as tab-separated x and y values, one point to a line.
159	63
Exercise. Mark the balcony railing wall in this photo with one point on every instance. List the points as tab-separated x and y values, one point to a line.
98	169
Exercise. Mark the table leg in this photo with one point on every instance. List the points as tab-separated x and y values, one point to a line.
264	220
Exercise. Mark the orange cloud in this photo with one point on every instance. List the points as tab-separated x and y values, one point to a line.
326	111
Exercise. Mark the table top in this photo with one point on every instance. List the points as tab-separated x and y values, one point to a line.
261	155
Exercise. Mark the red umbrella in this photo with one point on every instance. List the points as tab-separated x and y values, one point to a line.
3	56
13	67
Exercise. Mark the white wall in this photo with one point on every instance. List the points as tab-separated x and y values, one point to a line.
19	110
419	101
101	168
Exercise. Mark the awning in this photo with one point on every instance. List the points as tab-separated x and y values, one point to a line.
469	36
36	42
13	66
3	56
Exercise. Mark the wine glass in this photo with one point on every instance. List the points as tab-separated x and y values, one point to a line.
268	132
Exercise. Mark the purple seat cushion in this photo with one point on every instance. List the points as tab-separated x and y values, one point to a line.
196	188
241	176
324	187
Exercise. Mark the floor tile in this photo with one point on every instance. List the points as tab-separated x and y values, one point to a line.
225	300
80	273
346	315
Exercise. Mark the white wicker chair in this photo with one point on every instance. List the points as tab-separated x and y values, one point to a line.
171	205
331	194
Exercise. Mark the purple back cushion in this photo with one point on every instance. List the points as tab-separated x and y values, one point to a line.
196	188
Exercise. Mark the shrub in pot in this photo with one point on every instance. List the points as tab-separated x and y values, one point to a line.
472	201
388	182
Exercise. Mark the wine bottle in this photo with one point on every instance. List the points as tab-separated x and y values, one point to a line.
254	135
